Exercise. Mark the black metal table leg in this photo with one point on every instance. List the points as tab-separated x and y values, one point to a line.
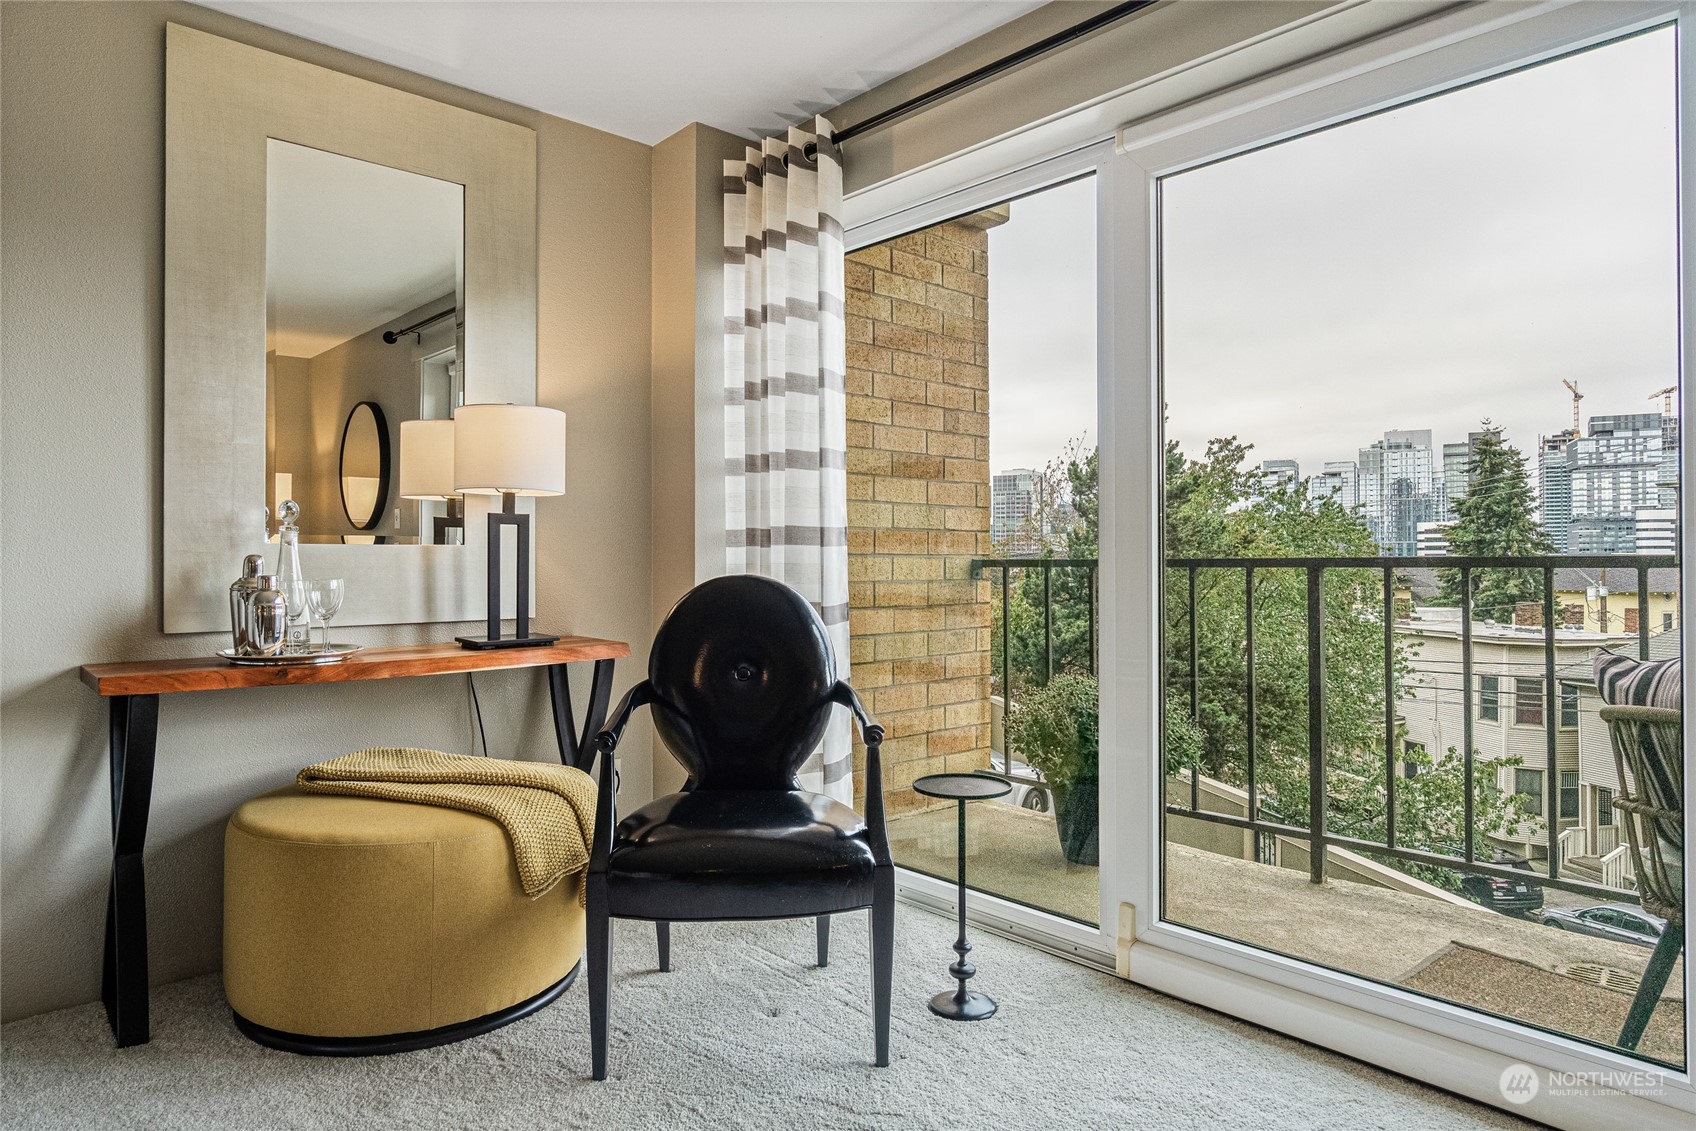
134	722
575	746
1654	982
962	1004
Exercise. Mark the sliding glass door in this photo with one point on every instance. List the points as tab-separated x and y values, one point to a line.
1388	454
973	532
1398	542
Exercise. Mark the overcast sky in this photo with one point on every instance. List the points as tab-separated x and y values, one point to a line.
1042	327
1428	267
1447	261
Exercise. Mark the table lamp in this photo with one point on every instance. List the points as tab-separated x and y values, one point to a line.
508	450
426	472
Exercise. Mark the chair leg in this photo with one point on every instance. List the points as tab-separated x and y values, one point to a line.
824	941
662	933
600	972
1654	981
883	957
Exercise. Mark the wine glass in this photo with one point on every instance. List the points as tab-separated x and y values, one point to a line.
324	599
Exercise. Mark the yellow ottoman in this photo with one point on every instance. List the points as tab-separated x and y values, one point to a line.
355	926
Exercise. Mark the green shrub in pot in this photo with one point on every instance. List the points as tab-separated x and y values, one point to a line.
1055	730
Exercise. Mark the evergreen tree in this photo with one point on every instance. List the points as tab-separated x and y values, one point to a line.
1495	520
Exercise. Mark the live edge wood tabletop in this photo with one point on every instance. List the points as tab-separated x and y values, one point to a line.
132	692
208	673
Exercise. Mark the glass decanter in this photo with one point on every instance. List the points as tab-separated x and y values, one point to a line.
291	580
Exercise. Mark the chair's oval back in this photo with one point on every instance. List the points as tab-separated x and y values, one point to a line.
743	669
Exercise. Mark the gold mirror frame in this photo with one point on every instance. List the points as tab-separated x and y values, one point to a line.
223	100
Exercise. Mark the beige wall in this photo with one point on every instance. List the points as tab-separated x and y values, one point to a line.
81	219
686	539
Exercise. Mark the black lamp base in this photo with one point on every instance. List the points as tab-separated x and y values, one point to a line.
483	642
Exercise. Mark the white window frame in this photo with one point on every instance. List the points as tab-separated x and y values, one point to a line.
1452	1047
1456	1048
1092	945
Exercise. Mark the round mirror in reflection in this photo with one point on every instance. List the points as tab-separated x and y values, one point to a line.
365	465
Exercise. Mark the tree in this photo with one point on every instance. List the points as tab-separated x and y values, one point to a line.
1063	525
1217	507
1431	810
1495	520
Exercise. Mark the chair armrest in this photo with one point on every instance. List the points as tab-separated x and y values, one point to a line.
870	732
606	803
872	735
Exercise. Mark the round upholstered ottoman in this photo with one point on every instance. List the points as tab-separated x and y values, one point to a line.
355	926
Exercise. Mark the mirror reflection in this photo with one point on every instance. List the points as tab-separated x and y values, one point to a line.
364	305
365	468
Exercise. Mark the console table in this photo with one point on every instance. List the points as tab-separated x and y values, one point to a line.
134	690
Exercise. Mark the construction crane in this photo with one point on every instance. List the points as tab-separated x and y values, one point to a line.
1577	396
1666	395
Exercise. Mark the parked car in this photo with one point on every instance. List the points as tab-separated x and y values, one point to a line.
1028	790
1618	921
1511	897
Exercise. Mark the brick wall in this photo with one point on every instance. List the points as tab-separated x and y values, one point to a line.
918	496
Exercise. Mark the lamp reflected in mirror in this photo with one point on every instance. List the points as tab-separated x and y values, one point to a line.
426	475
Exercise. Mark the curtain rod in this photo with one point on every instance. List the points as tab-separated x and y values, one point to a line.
990	70
393	336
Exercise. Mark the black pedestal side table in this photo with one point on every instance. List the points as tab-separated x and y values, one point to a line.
962	1004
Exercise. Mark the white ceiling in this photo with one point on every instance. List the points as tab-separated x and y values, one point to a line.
644	69
350	245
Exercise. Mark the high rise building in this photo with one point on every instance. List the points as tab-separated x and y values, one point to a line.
1012	503
1554	487
1337	482
1455	478
1398	488
1667	475
1276	473
1614	471
1656	530
1432	540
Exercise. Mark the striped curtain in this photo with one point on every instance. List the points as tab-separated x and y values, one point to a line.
785	417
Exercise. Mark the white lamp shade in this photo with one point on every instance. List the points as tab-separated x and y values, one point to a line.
426	459
509	447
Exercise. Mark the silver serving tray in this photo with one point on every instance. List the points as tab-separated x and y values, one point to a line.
334	654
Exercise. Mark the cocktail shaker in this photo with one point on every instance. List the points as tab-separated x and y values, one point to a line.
268	618
252	568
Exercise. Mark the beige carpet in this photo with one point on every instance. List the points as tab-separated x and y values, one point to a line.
745	1033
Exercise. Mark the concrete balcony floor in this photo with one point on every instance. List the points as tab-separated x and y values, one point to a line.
1473	956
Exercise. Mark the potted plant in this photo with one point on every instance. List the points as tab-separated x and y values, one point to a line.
1055	730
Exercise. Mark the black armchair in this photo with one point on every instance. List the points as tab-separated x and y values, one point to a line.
741	681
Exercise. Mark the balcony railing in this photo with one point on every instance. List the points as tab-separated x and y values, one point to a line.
1318	836
1004	675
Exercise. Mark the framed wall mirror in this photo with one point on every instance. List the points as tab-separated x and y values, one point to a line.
364	466
330	241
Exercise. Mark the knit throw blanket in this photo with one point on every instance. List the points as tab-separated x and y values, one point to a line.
548	811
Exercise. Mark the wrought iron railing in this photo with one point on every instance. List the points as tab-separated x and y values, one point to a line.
1047	566
1004	677
1318	836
